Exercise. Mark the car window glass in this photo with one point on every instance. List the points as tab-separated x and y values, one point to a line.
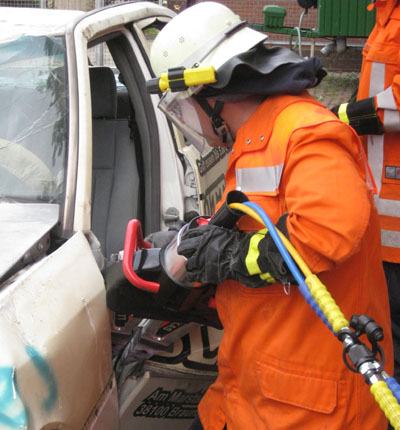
33	118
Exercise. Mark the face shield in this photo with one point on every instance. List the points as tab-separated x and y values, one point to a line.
193	121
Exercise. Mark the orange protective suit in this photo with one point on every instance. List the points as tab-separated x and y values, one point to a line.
380	78
280	367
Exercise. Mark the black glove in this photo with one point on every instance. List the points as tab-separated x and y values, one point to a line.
361	115
216	254
159	239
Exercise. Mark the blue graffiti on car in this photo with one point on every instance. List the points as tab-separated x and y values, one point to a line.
12	411
46	373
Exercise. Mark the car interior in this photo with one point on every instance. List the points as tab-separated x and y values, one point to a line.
115	177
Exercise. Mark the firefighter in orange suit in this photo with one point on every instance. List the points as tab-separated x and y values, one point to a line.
280	367
375	116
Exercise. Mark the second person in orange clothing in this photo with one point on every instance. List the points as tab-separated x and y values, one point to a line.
376	117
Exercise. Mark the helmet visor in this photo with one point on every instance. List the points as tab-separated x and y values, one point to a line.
190	119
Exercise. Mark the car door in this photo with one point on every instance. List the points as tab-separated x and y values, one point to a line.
55	348
187	367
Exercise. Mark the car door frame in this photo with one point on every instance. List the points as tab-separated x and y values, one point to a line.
79	34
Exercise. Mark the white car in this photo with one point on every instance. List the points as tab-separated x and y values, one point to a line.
83	150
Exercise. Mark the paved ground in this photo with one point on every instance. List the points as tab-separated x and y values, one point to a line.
336	88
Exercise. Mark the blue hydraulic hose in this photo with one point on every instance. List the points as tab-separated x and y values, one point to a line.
289	261
394	387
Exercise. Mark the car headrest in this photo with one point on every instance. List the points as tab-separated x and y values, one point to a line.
103	92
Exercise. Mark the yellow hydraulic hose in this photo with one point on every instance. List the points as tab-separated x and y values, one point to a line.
387	402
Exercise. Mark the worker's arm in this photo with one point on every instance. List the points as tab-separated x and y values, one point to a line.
328	209
325	193
373	115
362	115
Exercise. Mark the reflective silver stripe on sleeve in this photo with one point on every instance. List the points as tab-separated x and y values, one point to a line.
385	99
391	120
377	79
391	117
390	238
263	179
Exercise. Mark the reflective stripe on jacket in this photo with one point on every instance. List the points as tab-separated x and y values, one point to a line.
380	77
280	367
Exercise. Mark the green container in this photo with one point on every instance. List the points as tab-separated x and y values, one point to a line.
274	16
348	18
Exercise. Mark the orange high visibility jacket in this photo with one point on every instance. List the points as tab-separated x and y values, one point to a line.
280	367
380	78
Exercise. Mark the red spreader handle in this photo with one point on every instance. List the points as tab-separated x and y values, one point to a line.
133	242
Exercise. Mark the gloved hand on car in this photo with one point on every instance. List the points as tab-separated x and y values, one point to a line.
215	254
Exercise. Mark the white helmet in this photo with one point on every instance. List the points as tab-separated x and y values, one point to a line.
206	34
201	34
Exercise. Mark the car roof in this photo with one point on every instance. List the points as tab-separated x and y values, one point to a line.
16	22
